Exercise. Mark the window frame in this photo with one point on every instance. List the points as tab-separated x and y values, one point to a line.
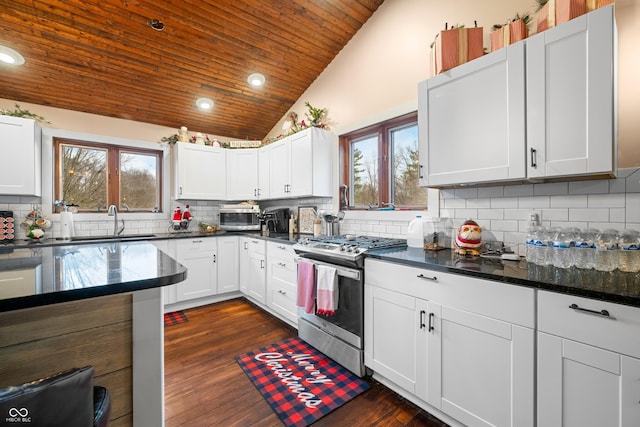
114	152
382	130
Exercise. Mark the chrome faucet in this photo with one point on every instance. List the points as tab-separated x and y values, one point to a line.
113	211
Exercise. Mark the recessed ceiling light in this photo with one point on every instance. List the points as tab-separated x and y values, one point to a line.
204	103
256	79
156	24
10	56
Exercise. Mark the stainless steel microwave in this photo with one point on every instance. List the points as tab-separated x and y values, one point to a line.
239	219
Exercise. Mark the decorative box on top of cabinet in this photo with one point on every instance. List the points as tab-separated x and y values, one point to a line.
301	164
21	145
201	172
557	88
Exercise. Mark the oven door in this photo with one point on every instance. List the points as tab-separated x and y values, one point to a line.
347	323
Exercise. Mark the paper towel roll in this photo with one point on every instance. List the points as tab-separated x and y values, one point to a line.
66	225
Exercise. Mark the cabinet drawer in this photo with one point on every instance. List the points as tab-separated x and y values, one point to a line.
511	303
281	250
284	271
196	244
618	331
283	300
256	246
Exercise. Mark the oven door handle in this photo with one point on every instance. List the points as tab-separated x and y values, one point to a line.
342	271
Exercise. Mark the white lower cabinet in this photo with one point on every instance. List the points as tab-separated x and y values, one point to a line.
228	264
588	362
199	256
461	345
397	335
282	281
253	269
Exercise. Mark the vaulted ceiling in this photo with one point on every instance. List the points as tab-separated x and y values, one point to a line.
104	57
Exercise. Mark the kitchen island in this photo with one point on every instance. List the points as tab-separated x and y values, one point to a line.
99	304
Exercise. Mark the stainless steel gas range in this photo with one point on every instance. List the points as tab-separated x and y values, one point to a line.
341	335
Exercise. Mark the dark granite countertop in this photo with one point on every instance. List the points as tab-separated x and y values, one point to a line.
618	287
51	274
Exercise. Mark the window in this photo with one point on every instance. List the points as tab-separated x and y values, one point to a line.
93	176
381	165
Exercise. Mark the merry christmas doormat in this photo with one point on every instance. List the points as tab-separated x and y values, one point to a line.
300	384
174	318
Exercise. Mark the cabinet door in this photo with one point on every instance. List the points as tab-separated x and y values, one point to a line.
301	164
242	174
481	370
396	328
584	386
201	172
244	265
279	162
227	264
570	98
257	274
20	141
264	179
472	121
199	256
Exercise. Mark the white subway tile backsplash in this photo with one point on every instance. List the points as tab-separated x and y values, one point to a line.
569	201
600	186
606	200
490	214
554	215
591	215
454	203
550	188
524	190
617	215
466	193
504	225
485	202
491	191
504	202
535	202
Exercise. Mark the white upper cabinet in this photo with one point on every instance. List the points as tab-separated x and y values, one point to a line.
540	108
20	140
570	98
472	121
264	186
200	172
302	165
242	174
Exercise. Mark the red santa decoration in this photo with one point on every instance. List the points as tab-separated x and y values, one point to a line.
469	238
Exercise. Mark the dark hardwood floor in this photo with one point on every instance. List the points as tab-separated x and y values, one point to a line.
204	386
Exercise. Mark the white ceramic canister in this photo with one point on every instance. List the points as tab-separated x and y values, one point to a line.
415	238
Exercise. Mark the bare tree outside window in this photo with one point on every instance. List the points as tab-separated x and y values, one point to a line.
381	165
93	176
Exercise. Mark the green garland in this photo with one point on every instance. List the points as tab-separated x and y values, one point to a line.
26	114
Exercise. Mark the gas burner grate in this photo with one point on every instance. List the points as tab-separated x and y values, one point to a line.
364	242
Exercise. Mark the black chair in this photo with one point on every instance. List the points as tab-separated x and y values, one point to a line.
65	399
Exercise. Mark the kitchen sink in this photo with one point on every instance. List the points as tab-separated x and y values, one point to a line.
112	237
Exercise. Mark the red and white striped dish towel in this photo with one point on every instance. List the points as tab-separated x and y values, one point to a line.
327	290
306	286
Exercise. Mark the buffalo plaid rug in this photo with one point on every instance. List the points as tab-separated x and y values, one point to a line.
300	384
174	318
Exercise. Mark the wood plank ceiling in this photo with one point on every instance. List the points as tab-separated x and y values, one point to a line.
103	57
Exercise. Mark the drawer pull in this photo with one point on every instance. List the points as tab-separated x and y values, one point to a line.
282	292
422	276
431	328
282	264
604	313
282	247
422	313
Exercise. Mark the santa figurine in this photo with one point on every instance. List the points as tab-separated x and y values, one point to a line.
469	238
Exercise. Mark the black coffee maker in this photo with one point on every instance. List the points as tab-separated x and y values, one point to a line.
276	220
